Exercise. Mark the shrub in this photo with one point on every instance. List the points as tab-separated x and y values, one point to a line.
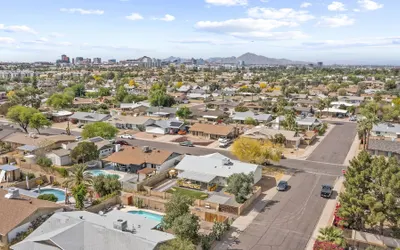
44	162
56	183
62	171
48	197
96	202
39	182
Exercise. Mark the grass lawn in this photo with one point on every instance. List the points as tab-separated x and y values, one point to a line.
191	193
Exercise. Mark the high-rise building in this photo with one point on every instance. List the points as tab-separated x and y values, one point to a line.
78	60
73	60
320	64
64	59
112	61
97	60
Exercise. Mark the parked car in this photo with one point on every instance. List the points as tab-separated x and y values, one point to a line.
78	138
326	191
221	139
127	136
282	186
224	143
81	125
181	132
186	144
353	118
122	142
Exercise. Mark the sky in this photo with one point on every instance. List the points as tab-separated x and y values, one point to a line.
344	32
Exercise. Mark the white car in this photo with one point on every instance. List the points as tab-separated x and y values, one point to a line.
127	136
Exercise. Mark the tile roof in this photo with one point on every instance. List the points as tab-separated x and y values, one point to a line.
25	139
136	156
222	130
15	211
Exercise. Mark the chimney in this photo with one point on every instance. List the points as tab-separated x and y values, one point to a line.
121	225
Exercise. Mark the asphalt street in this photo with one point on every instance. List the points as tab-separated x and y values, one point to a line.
336	145
288	220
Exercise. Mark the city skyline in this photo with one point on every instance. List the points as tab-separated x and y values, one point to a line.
344	32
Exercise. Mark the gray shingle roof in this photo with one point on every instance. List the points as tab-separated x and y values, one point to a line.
384	145
91	117
387	128
162	110
241	116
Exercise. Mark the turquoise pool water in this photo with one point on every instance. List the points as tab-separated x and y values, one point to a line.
58	193
97	172
149	215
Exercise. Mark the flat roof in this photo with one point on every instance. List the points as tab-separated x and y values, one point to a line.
196	176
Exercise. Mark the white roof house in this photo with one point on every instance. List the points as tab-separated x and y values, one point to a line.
214	167
85	230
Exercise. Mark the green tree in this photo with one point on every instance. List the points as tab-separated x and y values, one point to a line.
240	185
279	139
175	207
60	101
79	90
104	91
28	96
101	129
158	96
178	244
332	234
78	175
105	185
186	226
241	109
183	112
218	229
342	92
38	121
44	162
250	121
290	121
85	151
79	192
21	115
121	93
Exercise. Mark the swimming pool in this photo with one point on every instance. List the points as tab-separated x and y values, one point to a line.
60	194
149	215
97	172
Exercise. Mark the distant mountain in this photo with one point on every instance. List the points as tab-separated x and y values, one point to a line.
252	59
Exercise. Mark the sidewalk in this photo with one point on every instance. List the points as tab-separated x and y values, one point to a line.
353	152
241	223
327	214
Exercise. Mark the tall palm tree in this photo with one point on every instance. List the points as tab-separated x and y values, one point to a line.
332	234
78	175
370	120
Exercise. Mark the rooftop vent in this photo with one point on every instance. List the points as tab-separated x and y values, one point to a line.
146	149
121	225
226	162
13	193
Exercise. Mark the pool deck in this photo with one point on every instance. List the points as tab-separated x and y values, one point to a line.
132	208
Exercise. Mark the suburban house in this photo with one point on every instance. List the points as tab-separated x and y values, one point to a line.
264	133
206	115
17	212
61	157
213	132
35	141
308	123
357	100
162	112
131	122
242	116
84	230
61	116
139	107
384	146
210	170
386	130
134	159
171	126
9	173
78	102
253	107
87	117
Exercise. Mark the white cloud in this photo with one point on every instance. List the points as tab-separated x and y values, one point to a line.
369	5
336	21
227	2
134	17
82	11
284	14
356	10
249	28
166	18
305	5
6	40
336	6
264	1
56	34
17	28
209	41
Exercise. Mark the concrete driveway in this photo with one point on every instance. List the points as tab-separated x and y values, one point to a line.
288	220
335	147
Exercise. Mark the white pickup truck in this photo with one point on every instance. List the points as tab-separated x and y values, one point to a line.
224	142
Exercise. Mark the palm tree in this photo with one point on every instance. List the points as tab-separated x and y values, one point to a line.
332	234
78	175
